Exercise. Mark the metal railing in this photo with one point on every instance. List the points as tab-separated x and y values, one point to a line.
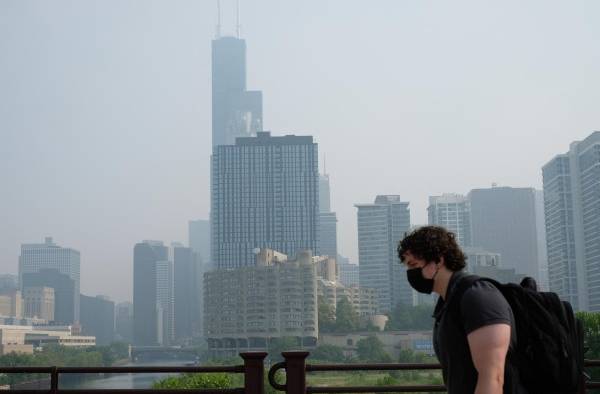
253	370
296	369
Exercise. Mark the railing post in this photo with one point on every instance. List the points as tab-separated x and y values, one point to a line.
254	372
295	372
54	380
582	383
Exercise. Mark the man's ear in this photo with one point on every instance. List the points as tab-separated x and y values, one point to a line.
441	261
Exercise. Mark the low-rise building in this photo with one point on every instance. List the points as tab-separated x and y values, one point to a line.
11	303
245	308
24	338
393	341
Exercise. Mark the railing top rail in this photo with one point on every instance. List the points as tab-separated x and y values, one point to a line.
140	369
132	391
378	389
369	367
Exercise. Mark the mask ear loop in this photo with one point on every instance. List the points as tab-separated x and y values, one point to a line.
437	269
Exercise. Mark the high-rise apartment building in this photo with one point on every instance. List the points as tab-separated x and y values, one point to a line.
381	226
264	195
36	257
503	221
572	208
452	212
248	306
153	312
98	318
236	112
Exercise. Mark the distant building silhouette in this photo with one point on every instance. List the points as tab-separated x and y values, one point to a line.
349	273
236	112
264	194
36	257
124	321
153	312
188	293
504	221
64	287
380	226
327	221
452	211
199	239
572	207
98	318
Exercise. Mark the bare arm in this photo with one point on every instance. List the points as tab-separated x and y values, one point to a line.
489	345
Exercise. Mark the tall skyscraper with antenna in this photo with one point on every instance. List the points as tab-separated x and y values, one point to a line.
236	112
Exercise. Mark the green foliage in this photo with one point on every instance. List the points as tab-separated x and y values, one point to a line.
195	381
283	344
591	330
346	318
371	349
329	353
408	317
326	317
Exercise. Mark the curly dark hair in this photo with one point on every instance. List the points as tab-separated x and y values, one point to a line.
430	243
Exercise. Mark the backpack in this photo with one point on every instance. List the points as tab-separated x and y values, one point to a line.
549	353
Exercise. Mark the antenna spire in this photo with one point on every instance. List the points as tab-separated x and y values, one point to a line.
238	27
218	18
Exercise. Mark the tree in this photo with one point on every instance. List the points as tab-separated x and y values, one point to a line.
283	344
371	349
328	353
326	316
195	381
408	317
346	318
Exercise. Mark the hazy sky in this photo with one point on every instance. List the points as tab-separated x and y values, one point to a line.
105	108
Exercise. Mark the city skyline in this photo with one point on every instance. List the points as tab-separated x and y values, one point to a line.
72	185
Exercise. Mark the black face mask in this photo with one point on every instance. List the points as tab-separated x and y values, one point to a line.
418	282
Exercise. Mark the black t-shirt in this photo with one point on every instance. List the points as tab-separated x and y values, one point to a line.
481	305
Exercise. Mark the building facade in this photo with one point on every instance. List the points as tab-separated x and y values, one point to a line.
39	302
452	211
349	273
264	195
124	322
36	257
381	226
199	239
65	312
188	293
572	206
153	312
247	307
98	318
11	303
504	221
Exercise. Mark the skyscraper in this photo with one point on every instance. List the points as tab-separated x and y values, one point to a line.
572	207
236	112
199	239
98	318
327	221
264	194
503	220
36	257
124	321
64	292
188	293
452	212
153	314
381	226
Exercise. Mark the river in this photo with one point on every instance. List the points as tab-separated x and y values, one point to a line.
127	381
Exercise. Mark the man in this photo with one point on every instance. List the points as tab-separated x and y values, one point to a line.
473	334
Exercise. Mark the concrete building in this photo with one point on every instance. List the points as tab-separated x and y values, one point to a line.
236	112
381	226
37	257
23	339
9	282
349	273
247	307
153	311
64	293
393	341
98	318
124	322
188	293
503	221
39	302
11	303
572	210
264	194
199	239
452	211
